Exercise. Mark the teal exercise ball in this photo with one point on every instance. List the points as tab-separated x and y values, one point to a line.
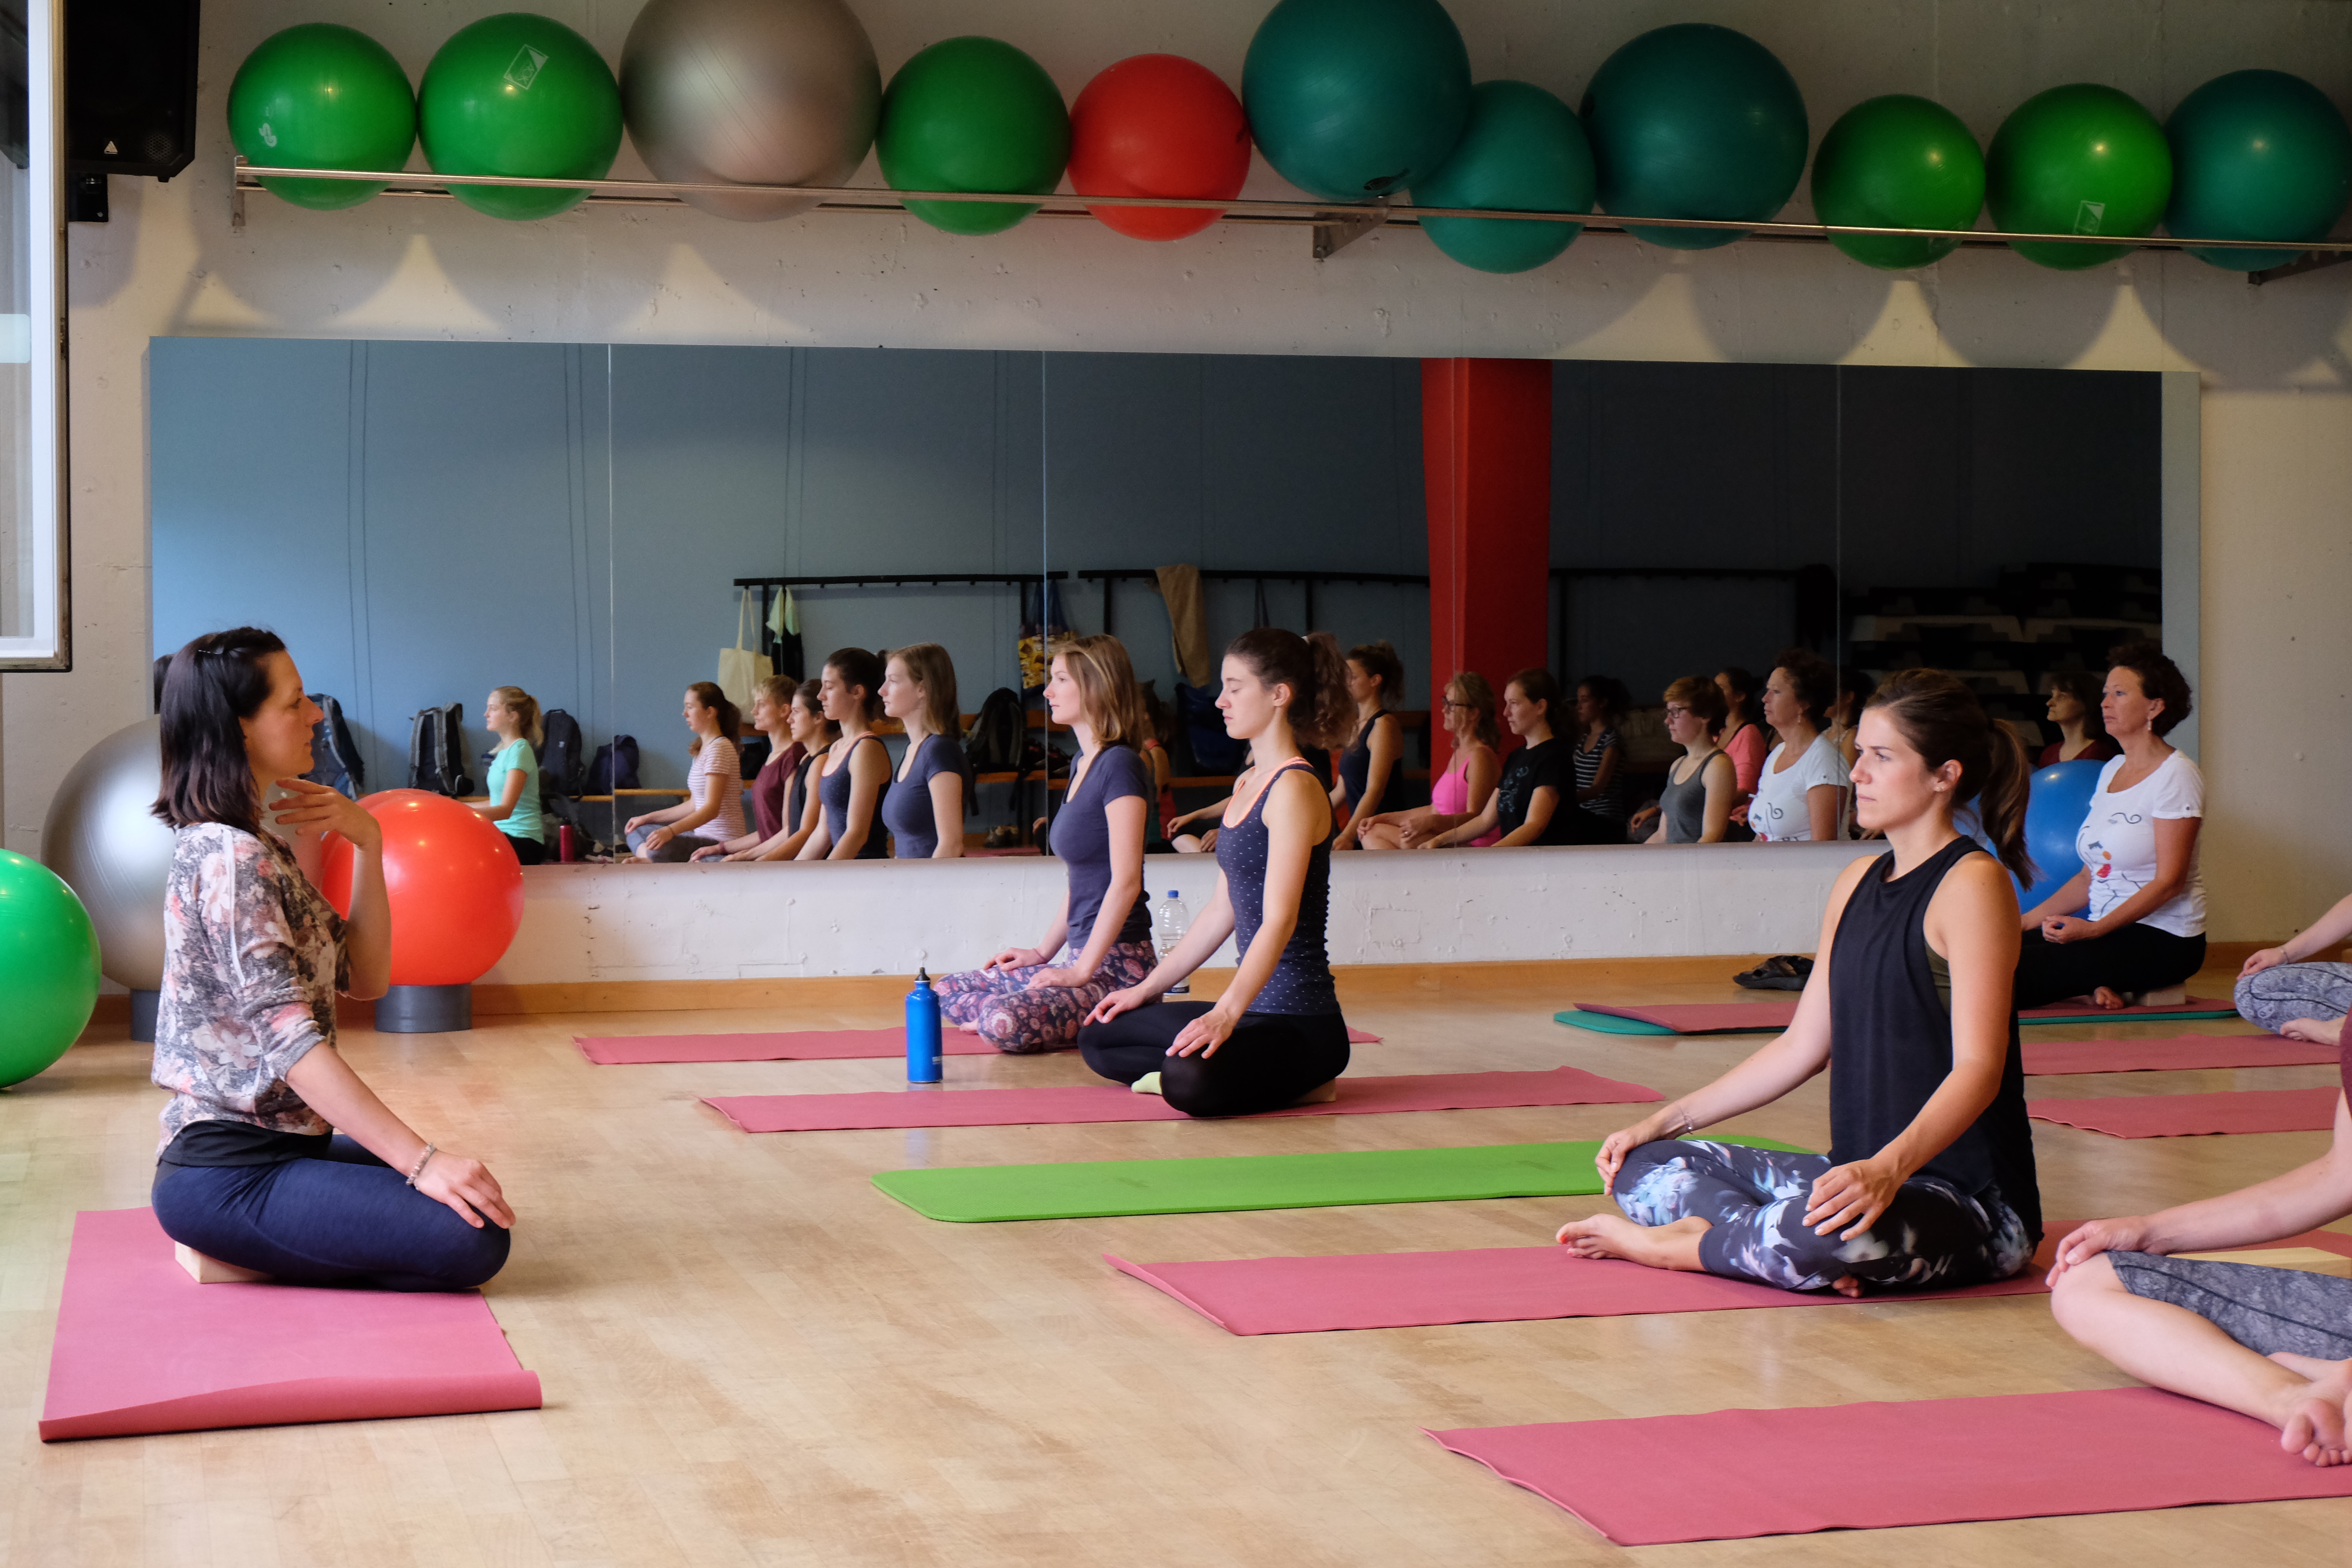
972	114
1350	100
48	967
2257	154
1695	120
318	96
525	97
1898	162
1525	151
2080	159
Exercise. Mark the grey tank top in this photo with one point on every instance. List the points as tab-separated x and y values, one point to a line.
1684	804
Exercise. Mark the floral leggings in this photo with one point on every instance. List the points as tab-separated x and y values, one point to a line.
1015	1018
2285	992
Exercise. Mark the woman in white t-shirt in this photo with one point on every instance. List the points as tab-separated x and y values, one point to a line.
2145	929
1800	794
713	810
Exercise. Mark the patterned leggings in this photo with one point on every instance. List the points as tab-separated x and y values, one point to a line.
1931	1237
2291	991
1017	1019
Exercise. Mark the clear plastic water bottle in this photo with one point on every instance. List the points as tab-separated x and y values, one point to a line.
1169	920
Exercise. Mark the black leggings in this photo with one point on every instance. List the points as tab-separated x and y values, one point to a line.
2137	958
530	851
1267	1062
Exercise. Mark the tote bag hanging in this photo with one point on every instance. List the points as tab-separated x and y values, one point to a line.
741	669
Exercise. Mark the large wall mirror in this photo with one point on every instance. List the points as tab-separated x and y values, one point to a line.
595	524
35	625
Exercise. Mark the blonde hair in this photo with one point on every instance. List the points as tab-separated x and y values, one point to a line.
777	690
525	708
929	667
1106	682
1476	692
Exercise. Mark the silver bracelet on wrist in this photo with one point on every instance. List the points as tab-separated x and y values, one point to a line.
1682	1115
418	1169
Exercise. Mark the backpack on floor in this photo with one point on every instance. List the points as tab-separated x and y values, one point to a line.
561	756
437	750
334	756
615	767
997	731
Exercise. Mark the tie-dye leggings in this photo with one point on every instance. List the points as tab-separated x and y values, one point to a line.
2289	991
1931	1237
1017	1019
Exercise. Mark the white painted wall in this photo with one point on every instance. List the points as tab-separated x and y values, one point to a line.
742	922
2277	422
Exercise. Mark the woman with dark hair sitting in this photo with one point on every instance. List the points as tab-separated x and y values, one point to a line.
1929	1182
275	1159
1374	759
2083	735
1535	802
1800	794
797	741
1276	1036
713	812
1744	740
1602	702
852	775
2145	929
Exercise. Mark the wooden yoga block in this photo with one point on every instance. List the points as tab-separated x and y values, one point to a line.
212	1270
2304	1259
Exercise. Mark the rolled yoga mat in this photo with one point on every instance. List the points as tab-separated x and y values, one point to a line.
791	1045
1652	1480
142	1348
1517	1285
1115	1103
2188	1115
2188	1052
1759	1017
1091	1189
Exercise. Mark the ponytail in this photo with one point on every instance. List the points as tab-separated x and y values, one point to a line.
1946	721
730	717
1319	711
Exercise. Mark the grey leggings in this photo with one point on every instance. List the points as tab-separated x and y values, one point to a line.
2291	991
2264	1310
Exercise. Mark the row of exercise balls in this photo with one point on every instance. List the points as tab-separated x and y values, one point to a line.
1348	98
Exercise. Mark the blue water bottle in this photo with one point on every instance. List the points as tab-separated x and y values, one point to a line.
923	1031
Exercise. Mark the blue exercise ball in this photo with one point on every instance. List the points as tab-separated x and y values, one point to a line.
2055	814
1350	100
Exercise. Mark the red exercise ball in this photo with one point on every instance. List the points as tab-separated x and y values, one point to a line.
1159	125
455	887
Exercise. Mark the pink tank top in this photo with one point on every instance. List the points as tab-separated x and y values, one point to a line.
1451	795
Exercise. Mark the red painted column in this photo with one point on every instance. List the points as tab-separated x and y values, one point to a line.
1485	441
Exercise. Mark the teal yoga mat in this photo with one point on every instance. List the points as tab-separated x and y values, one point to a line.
1607	1023
1091	1189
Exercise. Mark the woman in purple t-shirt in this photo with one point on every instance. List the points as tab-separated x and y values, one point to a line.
1035	998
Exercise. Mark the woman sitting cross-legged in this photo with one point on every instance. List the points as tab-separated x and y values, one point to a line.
2284	991
924	808
1276	1035
1929	1178
1462	791
1702	785
2273	1343
713	812
512	715
1035	998
783	797
253	1171
1535	800
852	775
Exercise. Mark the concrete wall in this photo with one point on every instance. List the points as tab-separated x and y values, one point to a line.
2277	422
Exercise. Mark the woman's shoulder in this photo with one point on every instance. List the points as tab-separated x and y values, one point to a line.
520	753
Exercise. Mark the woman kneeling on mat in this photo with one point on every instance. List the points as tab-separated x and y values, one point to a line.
1276	1036
1035	998
251	1172
2273	1343
1929	1178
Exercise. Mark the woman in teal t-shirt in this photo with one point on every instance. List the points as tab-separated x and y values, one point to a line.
512	715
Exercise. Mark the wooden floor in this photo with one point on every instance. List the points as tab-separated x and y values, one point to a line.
751	1357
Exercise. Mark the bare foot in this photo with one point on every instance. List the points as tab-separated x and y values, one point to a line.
1672	1245
2107	999
2313	1424
1847	1285
2319	1032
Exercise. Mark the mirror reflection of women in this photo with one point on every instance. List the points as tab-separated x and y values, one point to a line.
713	812
1462	791
854	772
1744	740
511	714
1374	759
2074	696
789	715
1694	807
1801	793
924	810
1534	800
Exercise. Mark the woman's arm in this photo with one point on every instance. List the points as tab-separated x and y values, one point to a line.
1541	803
1202	939
656	819
869	771
2064	902
2175	843
1215	808
1125	819
1464	830
1484	771
329	1086
1722	782
947	813
498	810
1604	775
790	839
2328	930
1823	803
1388	747
1296	821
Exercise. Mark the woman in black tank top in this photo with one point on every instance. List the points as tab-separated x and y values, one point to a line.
1929	1179
1275	1037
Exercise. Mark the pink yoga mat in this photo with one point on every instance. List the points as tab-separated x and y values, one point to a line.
1745	1018
1736	1474
2187	1053
1109	1102
2183	1115
795	1046
142	1348
1509	1285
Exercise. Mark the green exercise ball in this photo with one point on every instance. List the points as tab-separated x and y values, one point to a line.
1898	162
48	967
2257	155
972	114
321	96
523	96
1350	100
2080	159
1695	120
1524	151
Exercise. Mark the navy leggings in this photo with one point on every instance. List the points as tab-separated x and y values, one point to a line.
1267	1062
341	1218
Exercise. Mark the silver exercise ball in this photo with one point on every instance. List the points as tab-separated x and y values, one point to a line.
771	92
101	837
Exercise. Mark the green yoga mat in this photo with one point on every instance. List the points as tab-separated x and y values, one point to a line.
1608	1023
1090	1189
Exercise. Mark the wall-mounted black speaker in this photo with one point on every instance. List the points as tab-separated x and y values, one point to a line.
131	87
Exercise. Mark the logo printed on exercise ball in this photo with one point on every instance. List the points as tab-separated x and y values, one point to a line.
2257	154
525	69
523	96
2078	159
1354	98
319	95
